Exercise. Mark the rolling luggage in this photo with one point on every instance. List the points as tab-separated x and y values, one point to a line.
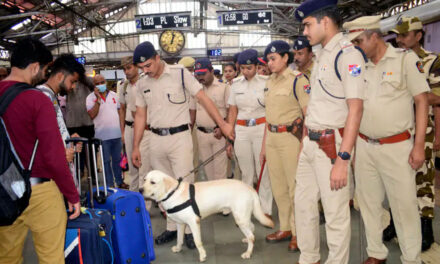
88	237
132	234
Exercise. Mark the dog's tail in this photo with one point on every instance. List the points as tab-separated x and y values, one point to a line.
259	214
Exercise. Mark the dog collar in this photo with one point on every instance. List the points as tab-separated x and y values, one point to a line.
173	191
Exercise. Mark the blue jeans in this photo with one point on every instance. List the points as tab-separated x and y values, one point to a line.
112	156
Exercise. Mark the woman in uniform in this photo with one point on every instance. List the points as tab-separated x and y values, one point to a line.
286	99
246	111
229	72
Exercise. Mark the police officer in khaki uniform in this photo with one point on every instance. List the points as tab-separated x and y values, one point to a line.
163	96
332	122
248	114
386	154
286	99
127	98
209	136
410	34
303	56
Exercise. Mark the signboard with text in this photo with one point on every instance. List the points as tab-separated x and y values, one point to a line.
152	22
245	17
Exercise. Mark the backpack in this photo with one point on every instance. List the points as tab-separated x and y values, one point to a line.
15	186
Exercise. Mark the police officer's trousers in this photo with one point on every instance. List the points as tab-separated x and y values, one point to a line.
248	143
312	183
208	145
384	170
282	154
173	155
136	176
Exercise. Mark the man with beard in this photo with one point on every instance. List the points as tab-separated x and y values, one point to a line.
303	56
209	135
64	74
29	117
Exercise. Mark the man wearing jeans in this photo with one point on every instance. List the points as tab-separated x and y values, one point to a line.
103	106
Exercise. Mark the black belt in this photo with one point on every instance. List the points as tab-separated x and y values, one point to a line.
35	181
206	130
169	131
129	123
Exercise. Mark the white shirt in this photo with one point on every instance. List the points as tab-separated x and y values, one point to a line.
107	120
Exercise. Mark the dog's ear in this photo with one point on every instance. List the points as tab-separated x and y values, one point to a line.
168	183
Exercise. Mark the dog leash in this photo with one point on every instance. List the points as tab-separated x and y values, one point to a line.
208	160
261	175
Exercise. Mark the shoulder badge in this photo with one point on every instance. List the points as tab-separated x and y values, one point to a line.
420	66
307	88
354	70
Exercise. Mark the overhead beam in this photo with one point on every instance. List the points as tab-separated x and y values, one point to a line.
267	3
28	14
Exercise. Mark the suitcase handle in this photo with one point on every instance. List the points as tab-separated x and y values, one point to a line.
76	140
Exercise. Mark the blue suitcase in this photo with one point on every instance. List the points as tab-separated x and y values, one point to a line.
132	234
88	238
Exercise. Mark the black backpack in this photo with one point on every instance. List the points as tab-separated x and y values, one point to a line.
15	186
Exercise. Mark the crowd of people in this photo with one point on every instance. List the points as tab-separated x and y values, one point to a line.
351	118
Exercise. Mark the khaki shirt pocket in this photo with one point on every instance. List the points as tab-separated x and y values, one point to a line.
176	96
390	84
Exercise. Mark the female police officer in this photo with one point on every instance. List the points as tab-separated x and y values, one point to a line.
246	110
286	98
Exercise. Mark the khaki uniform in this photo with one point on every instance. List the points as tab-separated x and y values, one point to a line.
308	71
425	176
248	96
167	103
208	144
384	169
127	96
282	149
327	109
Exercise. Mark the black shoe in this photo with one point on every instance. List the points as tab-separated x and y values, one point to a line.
189	241
166	237
389	232
231	176
427	233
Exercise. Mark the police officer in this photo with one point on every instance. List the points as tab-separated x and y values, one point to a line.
209	136
286	100
247	113
303	56
163	96
188	63
127	98
386	155
410	35
332	123
262	67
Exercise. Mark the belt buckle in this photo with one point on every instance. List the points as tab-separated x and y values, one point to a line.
164	132
373	141
273	129
251	122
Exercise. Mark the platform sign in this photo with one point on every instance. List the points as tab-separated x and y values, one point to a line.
162	21
245	17
214	52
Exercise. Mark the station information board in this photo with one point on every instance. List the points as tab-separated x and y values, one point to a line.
214	52
163	21
245	17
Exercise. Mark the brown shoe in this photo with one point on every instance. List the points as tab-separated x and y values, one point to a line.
293	245
371	260
279	236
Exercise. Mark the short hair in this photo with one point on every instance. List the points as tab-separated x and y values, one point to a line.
231	65
422	39
331	12
29	50
370	32
67	63
291	57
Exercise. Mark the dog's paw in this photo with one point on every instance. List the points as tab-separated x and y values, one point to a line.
244	240
176	249
202	259
246	255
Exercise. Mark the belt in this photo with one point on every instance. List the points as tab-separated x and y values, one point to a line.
315	135
129	123
251	122
35	181
169	131
279	128
387	140
206	130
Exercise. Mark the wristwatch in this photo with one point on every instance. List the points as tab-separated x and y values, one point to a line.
344	155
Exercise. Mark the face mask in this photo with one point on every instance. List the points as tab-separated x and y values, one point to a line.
102	88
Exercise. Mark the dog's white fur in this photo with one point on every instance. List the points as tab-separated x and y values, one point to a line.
211	197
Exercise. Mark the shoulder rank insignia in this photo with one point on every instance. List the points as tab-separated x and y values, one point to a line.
354	70
420	67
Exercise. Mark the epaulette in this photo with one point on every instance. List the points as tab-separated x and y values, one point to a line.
238	79
346	45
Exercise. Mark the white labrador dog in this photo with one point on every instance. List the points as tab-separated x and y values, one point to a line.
211	197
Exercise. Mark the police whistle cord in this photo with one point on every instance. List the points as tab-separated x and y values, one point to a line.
208	160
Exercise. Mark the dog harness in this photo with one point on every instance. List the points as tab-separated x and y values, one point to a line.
190	202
